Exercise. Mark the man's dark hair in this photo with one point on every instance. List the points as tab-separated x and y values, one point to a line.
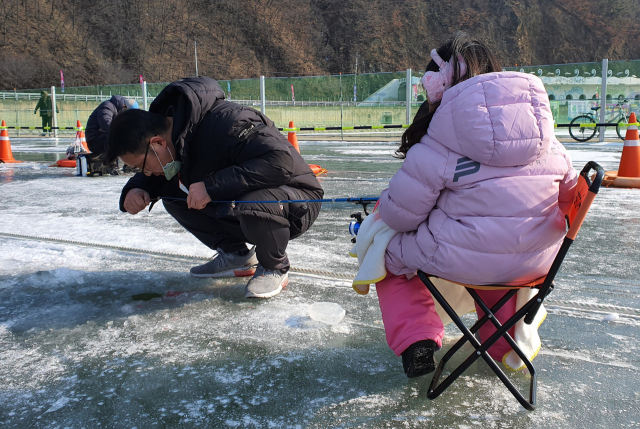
130	131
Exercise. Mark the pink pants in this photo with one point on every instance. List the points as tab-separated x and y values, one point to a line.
409	314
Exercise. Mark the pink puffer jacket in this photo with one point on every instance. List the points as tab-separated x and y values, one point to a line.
481	198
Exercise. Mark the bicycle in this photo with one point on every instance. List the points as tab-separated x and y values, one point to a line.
581	129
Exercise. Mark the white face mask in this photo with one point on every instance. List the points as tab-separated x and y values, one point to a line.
172	168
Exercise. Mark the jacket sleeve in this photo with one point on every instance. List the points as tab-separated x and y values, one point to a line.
567	186
105	115
414	189
260	156
38	106
151	184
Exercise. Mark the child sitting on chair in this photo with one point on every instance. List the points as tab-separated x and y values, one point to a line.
479	198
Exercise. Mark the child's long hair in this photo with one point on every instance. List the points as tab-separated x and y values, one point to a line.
479	61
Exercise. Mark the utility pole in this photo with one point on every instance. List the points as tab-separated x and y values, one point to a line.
195	48
409	95
341	113
603	102
145	102
54	123
355	82
262	96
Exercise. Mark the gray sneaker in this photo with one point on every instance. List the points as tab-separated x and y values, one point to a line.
265	283
228	265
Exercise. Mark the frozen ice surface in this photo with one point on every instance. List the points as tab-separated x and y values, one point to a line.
77	350
327	312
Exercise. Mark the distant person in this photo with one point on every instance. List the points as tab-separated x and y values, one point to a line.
195	145
479	198
97	130
99	123
46	112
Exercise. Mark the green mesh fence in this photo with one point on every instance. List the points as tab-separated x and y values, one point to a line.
379	98
328	88
308	88
128	90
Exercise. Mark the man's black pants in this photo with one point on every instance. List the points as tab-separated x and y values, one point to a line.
47	122
99	144
268	226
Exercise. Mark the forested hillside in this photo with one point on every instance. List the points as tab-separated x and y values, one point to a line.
113	41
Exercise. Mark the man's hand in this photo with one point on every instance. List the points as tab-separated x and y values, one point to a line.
198	197
136	200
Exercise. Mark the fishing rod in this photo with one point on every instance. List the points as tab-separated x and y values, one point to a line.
324	200
363	201
354	226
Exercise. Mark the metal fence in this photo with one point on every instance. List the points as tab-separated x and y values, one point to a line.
351	100
309	88
320	101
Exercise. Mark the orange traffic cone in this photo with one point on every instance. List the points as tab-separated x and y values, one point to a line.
80	135
293	138
630	159
628	174
5	145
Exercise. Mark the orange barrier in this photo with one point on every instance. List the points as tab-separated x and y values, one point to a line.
67	163
317	170
628	174
6	155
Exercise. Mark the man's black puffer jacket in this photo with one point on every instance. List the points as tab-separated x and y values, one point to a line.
99	123
233	149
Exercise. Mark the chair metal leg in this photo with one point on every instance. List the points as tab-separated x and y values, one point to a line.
437	387
491	315
451	352
496	323
500	332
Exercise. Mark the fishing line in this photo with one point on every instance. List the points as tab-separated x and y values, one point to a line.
324	200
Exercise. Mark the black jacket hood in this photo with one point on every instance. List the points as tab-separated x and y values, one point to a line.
188	101
118	102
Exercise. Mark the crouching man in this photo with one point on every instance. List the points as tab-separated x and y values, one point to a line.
194	145
97	133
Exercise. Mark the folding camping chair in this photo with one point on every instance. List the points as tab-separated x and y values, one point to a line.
586	191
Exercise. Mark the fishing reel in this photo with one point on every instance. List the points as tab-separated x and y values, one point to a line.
354	225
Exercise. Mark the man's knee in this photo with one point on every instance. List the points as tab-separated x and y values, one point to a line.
261	224
298	217
99	144
302	217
